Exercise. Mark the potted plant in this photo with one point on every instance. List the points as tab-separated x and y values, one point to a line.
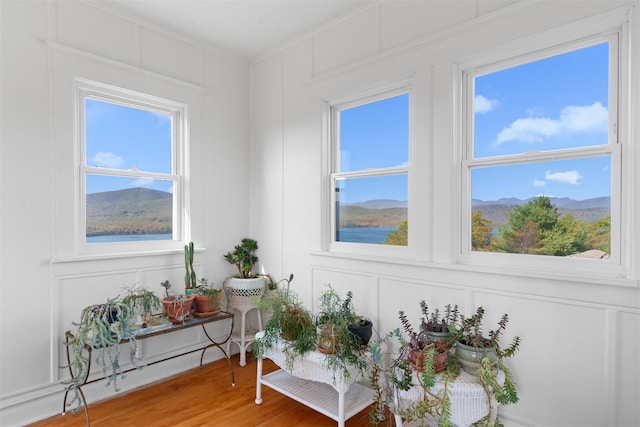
435	327
102	328
290	323
335	316
177	307
190	281
402	374
245	281
207	299
144	305
483	356
415	349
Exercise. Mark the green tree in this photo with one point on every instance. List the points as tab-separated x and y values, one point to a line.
599	234
568	236
538	228
399	237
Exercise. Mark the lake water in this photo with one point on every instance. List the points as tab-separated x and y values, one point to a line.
348	234
364	234
128	238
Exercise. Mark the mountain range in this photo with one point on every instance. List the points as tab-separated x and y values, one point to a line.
145	211
391	213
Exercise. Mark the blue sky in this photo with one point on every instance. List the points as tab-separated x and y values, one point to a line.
559	102
126	138
555	103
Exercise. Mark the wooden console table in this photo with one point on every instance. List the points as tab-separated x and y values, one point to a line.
309	382
152	332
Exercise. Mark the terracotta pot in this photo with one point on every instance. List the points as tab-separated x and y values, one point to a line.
178	310
416	357
206	304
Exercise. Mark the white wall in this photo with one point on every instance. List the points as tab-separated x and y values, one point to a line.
578	364
43	284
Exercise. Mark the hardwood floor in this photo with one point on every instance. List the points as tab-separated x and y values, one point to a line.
186	401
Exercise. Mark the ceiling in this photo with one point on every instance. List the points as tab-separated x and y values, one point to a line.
247	29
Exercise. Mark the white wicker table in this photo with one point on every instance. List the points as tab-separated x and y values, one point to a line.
309	382
468	399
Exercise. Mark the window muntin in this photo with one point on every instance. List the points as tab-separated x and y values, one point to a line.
543	128
131	151
369	179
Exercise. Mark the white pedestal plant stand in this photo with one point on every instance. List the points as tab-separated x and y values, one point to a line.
240	296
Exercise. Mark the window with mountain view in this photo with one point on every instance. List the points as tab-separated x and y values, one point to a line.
370	169
129	166
542	155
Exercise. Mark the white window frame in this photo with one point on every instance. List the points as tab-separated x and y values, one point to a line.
545	47
332	162
85	89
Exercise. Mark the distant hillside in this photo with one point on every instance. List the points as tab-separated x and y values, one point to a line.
391	213
132	211
588	210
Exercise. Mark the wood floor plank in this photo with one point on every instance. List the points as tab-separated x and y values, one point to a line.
187	400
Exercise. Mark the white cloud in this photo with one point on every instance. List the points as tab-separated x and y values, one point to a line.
573	119
142	182
106	159
539	183
484	105
569	177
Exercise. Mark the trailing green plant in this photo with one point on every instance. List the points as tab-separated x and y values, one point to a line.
190	281
141	300
102	328
469	331
290	324
348	353
244	257
402	375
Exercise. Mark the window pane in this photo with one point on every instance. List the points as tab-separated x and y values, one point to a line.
121	209
548	208
125	138
375	135
372	210
555	103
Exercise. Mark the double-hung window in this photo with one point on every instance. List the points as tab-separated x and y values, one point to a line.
542	164
370	169
131	183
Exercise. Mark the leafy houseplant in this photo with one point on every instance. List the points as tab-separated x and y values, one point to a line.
143	304
177	307
244	257
207	297
415	349
483	356
290	323
102	328
244	282
190	281
403	373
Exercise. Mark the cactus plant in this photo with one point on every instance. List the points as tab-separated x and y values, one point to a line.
190	281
